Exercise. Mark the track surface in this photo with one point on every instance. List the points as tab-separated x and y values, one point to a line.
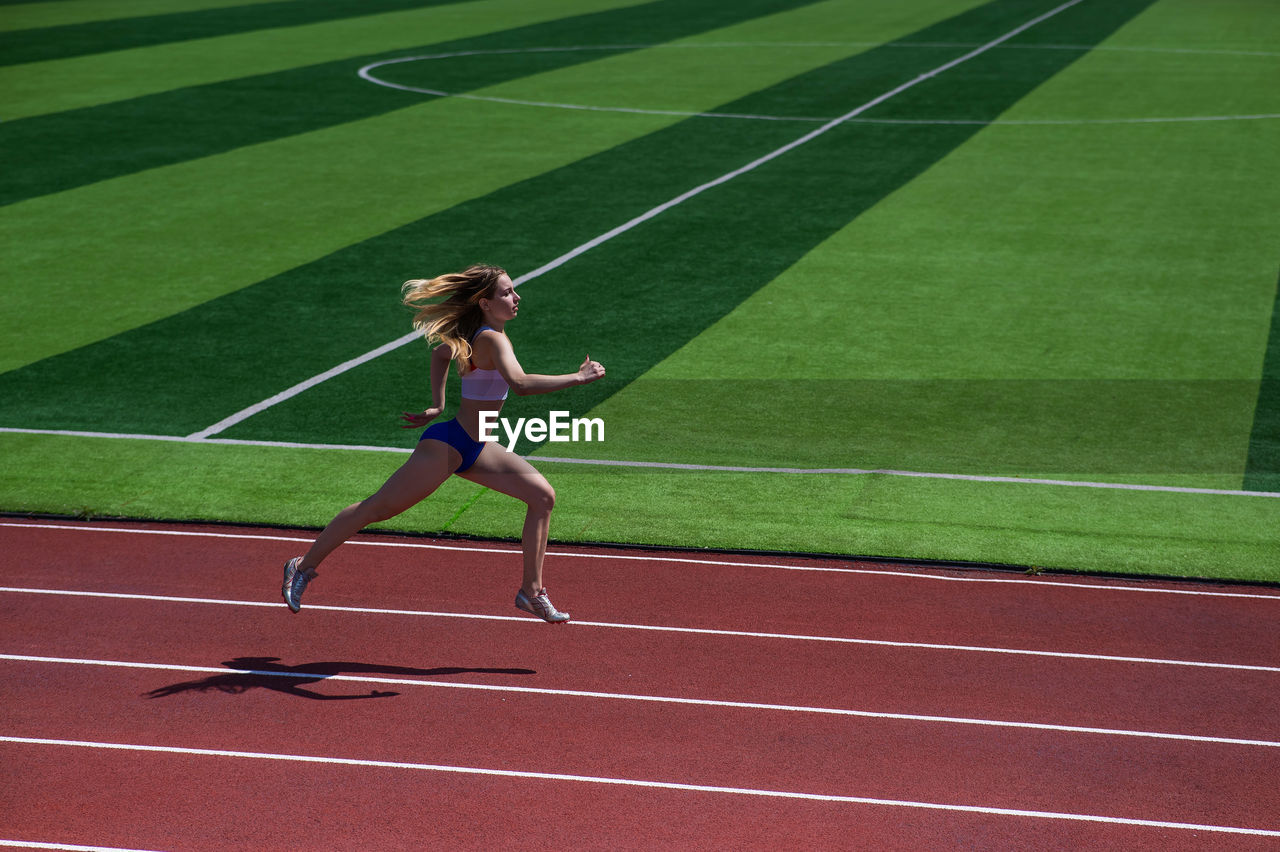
888	704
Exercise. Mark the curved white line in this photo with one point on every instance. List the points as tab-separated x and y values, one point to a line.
366	73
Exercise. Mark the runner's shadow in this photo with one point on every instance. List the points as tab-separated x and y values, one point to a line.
267	673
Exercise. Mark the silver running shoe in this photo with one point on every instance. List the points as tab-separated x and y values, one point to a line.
540	605
295	581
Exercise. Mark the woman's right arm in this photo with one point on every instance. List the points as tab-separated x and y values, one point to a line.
440	358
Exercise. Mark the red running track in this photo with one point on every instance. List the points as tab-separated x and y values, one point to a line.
157	694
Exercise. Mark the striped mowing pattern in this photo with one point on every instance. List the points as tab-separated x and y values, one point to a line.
986	295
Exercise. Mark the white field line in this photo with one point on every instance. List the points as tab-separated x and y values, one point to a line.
655	628
1036	122
1080	48
191	439
228	422
710	468
655	699
1042	582
256	408
852	471
632	782
366	73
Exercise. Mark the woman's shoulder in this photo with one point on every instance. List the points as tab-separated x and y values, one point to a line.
487	336
484	342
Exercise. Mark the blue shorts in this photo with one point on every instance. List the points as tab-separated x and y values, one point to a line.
452	433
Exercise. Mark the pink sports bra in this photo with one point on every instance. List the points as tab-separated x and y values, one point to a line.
484	385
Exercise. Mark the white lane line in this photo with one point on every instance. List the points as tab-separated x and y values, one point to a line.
696	631
632	782
710	468
655	699
828	569
644	217
70	847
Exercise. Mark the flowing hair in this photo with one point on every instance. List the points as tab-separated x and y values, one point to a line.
454	320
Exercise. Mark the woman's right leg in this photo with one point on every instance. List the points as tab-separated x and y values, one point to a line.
431	464
507	473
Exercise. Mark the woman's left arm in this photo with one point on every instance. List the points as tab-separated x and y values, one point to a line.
524	384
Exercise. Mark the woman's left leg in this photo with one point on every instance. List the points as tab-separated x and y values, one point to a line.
425	470
428	466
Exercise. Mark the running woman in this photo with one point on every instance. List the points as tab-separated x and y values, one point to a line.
467	313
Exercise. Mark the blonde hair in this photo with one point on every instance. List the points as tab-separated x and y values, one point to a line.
454	320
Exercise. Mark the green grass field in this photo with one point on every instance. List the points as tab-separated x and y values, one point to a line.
1020	309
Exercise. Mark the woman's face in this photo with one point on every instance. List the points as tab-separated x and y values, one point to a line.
505	302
